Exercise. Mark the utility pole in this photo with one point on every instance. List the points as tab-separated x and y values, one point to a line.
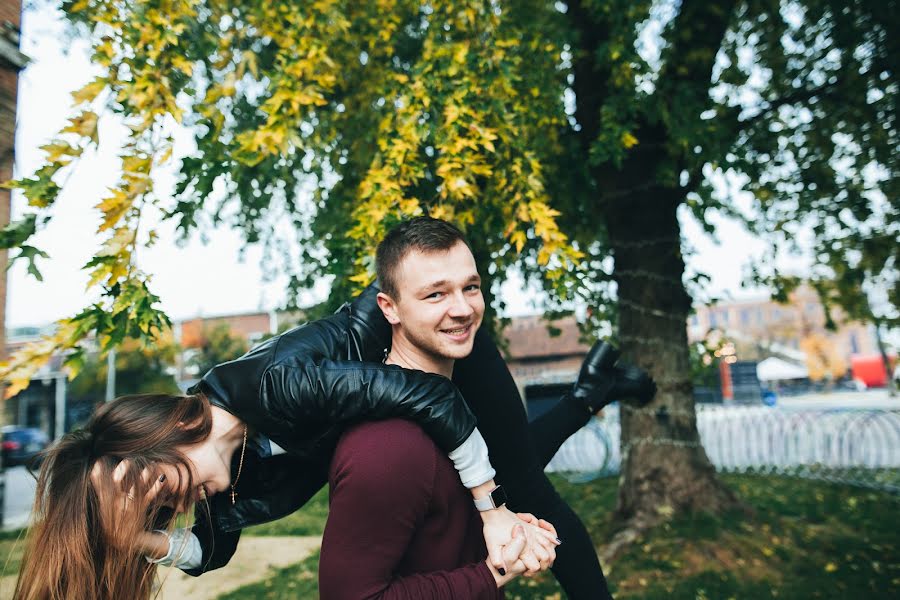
111	375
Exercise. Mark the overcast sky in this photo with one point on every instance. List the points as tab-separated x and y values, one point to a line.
200	278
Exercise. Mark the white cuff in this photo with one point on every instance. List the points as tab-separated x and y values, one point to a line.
472	462
184	550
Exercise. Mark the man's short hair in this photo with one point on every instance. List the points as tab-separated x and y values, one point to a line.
425	234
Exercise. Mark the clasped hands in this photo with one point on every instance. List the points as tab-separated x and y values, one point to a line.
517	544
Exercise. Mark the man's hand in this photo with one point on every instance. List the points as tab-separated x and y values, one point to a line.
510	556
539	550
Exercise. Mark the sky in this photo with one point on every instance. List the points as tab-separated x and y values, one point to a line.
218	275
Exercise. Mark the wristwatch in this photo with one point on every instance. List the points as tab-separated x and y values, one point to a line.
495	499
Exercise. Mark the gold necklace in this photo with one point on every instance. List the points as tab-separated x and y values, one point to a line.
240	466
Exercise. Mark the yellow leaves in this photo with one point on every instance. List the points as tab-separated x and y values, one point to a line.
409	206
460	53
137	164
628	140
84	125
60	152
831	567
87	93
113	261
255	145
79	6
24	364
442	211
363	278
248	61
182	64
229	85
113	208
451	113
518	239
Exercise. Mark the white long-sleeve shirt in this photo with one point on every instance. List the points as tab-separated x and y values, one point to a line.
470	459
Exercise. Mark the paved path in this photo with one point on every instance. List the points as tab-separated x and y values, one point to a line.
19	497
255	560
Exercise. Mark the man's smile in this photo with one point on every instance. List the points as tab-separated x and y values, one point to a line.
458	332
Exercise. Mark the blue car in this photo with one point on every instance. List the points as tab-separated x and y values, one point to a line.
21	444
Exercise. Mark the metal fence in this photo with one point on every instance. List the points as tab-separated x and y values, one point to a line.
853	446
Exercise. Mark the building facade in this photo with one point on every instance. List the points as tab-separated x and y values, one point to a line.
795	331
11	62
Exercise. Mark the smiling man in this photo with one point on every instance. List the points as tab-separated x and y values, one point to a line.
425	540
431	296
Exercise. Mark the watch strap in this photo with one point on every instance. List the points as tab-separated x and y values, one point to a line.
495	499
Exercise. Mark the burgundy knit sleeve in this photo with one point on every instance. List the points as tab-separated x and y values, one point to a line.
382	477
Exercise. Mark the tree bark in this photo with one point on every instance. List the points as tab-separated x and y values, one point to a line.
665	469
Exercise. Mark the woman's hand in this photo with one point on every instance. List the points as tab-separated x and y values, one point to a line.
539	550
125	514
511	557
548	528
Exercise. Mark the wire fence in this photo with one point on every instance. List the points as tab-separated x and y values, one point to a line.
853	446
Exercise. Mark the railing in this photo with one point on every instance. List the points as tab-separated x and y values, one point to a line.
853	446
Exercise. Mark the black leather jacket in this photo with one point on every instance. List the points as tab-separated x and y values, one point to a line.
300	389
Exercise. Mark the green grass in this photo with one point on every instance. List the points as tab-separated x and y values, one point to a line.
805	540
12	546
294	582
309	520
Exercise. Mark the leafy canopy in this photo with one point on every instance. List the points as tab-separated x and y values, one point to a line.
327	121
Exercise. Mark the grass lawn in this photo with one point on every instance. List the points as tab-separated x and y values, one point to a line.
12	545
806	540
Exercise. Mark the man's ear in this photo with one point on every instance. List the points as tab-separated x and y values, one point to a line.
388	308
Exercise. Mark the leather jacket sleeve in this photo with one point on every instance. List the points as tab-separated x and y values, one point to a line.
318	394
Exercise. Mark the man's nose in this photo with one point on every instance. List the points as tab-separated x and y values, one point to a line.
460	306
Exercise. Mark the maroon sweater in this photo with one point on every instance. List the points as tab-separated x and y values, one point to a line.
400	524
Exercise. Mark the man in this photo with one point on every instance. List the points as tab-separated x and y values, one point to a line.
431	299
426	540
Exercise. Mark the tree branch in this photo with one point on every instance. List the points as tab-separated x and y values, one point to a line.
590	84
801	95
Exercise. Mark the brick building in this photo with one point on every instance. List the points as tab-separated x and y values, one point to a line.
11	62
761	328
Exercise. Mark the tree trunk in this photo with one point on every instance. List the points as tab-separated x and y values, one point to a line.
665	470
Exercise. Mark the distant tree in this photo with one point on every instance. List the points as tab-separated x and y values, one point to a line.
823	360
566	137
219	345
139	369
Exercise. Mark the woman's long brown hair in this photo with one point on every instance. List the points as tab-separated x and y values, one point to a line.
73	550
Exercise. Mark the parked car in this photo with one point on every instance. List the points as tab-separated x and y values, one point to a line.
21	444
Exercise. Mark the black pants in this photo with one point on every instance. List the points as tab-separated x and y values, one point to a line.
520	452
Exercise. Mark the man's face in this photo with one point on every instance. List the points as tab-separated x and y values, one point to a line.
440	305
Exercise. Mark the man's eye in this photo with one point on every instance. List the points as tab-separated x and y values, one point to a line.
473	288
435	295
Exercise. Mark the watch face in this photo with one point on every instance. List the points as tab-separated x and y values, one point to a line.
498	496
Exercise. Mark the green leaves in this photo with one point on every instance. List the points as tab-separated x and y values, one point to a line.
30	253
525	122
